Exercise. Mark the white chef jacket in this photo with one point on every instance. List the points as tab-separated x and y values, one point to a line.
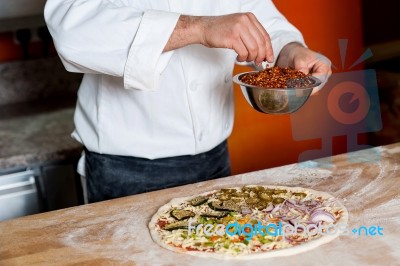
134	99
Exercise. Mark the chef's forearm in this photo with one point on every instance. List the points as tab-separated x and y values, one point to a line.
186	32
241	32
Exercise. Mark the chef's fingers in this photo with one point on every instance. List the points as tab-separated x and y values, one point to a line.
260	35
251	45
241	50
255	38
303	66
321	70
261	45
267	40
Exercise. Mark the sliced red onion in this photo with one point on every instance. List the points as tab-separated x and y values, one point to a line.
292	201
295	205
269	208
284	210
288	218
275	209
312	203
301	208
246	210
312	210
290	205
295	210
293	221
320	215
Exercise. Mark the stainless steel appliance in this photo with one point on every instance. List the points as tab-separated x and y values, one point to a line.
46	187
19	195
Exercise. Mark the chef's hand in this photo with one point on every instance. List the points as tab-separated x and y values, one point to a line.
241	32
296	56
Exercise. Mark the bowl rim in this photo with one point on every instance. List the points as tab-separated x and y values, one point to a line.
237	81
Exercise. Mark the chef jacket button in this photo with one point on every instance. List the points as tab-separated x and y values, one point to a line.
201	136
226	125
228	78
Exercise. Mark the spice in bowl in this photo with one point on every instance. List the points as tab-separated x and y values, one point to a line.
276	77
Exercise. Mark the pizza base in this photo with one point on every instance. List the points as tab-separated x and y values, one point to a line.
312	244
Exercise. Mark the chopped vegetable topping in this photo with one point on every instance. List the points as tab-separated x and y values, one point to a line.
198	200
182	214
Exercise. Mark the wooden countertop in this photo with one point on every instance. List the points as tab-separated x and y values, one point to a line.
115	232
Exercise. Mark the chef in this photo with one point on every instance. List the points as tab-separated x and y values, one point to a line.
155	105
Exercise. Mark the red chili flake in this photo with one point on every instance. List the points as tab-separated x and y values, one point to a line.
273	77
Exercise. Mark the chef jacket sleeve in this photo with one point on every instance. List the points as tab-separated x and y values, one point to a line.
280	30
106	37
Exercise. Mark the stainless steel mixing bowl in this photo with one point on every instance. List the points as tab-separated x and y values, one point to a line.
276	101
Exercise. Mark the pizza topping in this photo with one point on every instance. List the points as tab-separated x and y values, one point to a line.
177	225
228	190
216	205
198	201
182	214
265	196
312	203
162	223
280	191
243	210
300	194
215	214
269	191
269	208
246	210
320	215
278	200
261	205
228	205
224	196
247	189
240	195
252	201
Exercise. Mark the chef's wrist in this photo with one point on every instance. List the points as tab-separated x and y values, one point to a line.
188	30
193	28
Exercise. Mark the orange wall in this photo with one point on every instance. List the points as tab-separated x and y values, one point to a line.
261	141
